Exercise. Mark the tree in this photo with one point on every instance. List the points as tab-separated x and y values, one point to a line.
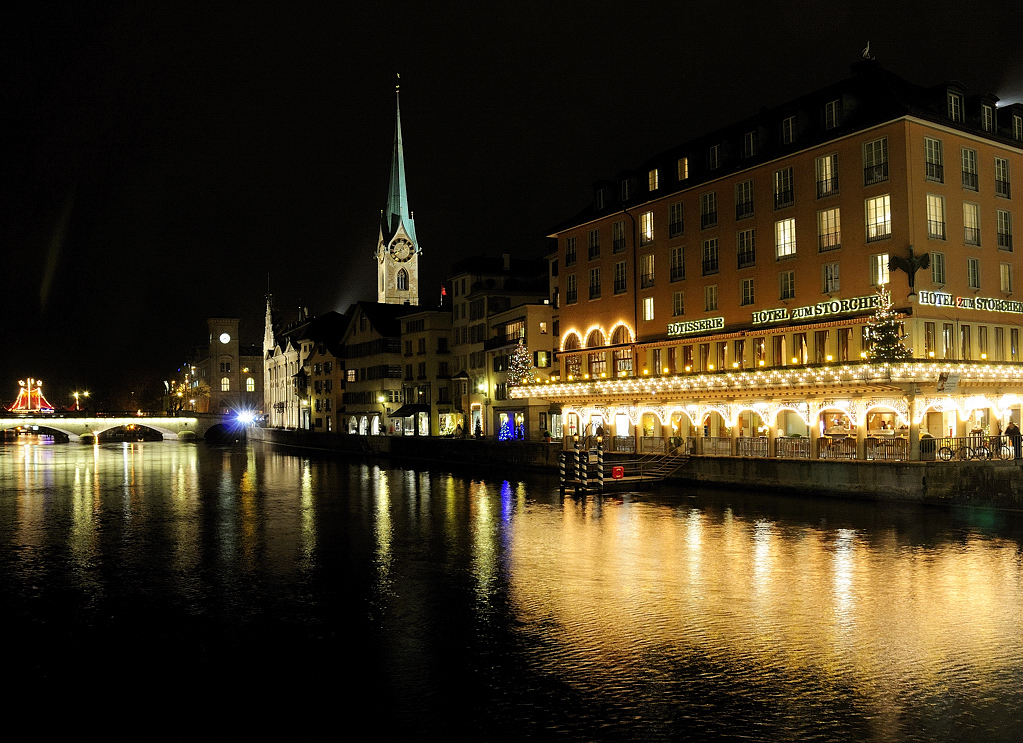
520	365
885	332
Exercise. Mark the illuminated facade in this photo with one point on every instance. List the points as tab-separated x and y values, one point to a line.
720	293
228	375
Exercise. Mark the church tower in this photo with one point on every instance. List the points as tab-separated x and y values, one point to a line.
398	250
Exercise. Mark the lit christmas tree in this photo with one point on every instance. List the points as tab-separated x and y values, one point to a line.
885	332
520	365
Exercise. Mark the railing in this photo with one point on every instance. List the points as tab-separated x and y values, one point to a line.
618	245
1001	188
879	231
595	291
709	219
651	444
675	229
646	280
875	174
620	286
972	236
678	273
716	445
747	258
829	241
751	446
935	172
887	448
964	448
710	267
743	209
784	198
571	296
623	444
936	228
970	180
827	187
1005	241
792	448
836	448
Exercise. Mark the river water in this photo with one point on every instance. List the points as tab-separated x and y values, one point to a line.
261	590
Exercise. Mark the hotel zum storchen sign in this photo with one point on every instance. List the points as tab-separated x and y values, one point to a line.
940	299
821	309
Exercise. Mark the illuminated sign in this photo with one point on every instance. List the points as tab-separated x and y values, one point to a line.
695	326
821	309
940	299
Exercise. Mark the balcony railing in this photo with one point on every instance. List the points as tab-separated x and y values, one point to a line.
935	172
970	180
595	291
827	187
620	287
675	229
792	448
887	449
875	174
784	198
744	209
646	280
716	445
747	258
1005	241
829	241
710	266
972	236
708	219
678	273
879	231
571	296
751	446
936	229
593	253
1002	188
836	448
618	245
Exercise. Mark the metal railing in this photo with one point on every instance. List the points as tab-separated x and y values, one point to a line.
651	444
716	445
970	180
751	446
827	187
792	448
836	448
887	449
965	448
875	174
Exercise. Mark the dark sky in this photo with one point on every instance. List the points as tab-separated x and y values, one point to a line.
160	160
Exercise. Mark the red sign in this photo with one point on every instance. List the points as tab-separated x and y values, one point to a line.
617	472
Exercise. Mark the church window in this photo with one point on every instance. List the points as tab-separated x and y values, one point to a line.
402	280
225	384
250	385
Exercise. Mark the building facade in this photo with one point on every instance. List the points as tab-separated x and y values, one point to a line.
736	274
227	374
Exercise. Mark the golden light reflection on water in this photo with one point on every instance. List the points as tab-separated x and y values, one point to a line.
889	620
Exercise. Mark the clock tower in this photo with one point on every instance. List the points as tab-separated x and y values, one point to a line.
397	253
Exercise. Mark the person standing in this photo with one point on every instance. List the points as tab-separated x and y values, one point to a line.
1012	431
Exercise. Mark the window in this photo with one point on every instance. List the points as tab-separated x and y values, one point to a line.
970	179
1014	344
971	224
675	223
652	180
973	273
999	348
1001	177
744	199
594	245
401	280
250	384
930	339
935	216
620	278
710	256
746	248
938	268
710	298
683	168
966	348
594	283
625	190
875	161
618	237
933	164
879	269
831	114
571	291
225	384
955	106
982	340
749	144
787	285
678	264
829	274
708	210
788	127
827	175
783	193
678	305
1005	277
569	251
648	308
829	230
1003	224
646	228
646	271
1017	128
714	157
987	118
746	293
879	218
784	238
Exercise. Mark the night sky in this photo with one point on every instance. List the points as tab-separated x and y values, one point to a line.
160	160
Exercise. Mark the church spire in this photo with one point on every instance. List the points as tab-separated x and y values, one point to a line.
396	213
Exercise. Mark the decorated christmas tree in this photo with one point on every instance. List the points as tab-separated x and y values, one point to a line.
885	332
520	365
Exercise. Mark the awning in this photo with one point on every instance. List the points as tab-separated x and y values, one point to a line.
406	410
461	375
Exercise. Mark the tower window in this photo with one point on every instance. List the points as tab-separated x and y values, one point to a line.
402	280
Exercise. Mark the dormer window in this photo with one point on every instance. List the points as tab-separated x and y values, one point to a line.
955	106
600	198
625	190
683	168
1017	127
831	115
714	157
749	144
987	117
652	180
788	128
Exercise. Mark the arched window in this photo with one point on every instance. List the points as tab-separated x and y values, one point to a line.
250	385
225	384
571	343
621	335
595	339
402	280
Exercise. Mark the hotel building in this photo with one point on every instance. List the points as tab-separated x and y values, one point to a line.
719	294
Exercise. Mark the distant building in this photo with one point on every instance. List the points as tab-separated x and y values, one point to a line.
227	375
373	368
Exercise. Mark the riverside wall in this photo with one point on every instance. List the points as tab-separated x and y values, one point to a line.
997	483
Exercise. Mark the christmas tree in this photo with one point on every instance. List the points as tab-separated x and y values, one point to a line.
520	365
885	332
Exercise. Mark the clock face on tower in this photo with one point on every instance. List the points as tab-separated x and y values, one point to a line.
401	249
225	338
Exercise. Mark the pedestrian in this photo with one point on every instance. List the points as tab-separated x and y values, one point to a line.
1012	431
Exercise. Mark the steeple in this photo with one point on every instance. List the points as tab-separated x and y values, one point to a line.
396	212
268	328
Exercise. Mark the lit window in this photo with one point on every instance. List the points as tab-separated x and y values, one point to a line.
875	161
250	385
935	216
934	169
831	115
747	296
879	269
787	285
938	268
830	276
652	180
829	230
646	271
784	238
827	175
648	308
646	228
973	273
225	384
879	218
683	168
971	223
1005	277
710	298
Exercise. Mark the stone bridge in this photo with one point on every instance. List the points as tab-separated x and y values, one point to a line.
87	428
